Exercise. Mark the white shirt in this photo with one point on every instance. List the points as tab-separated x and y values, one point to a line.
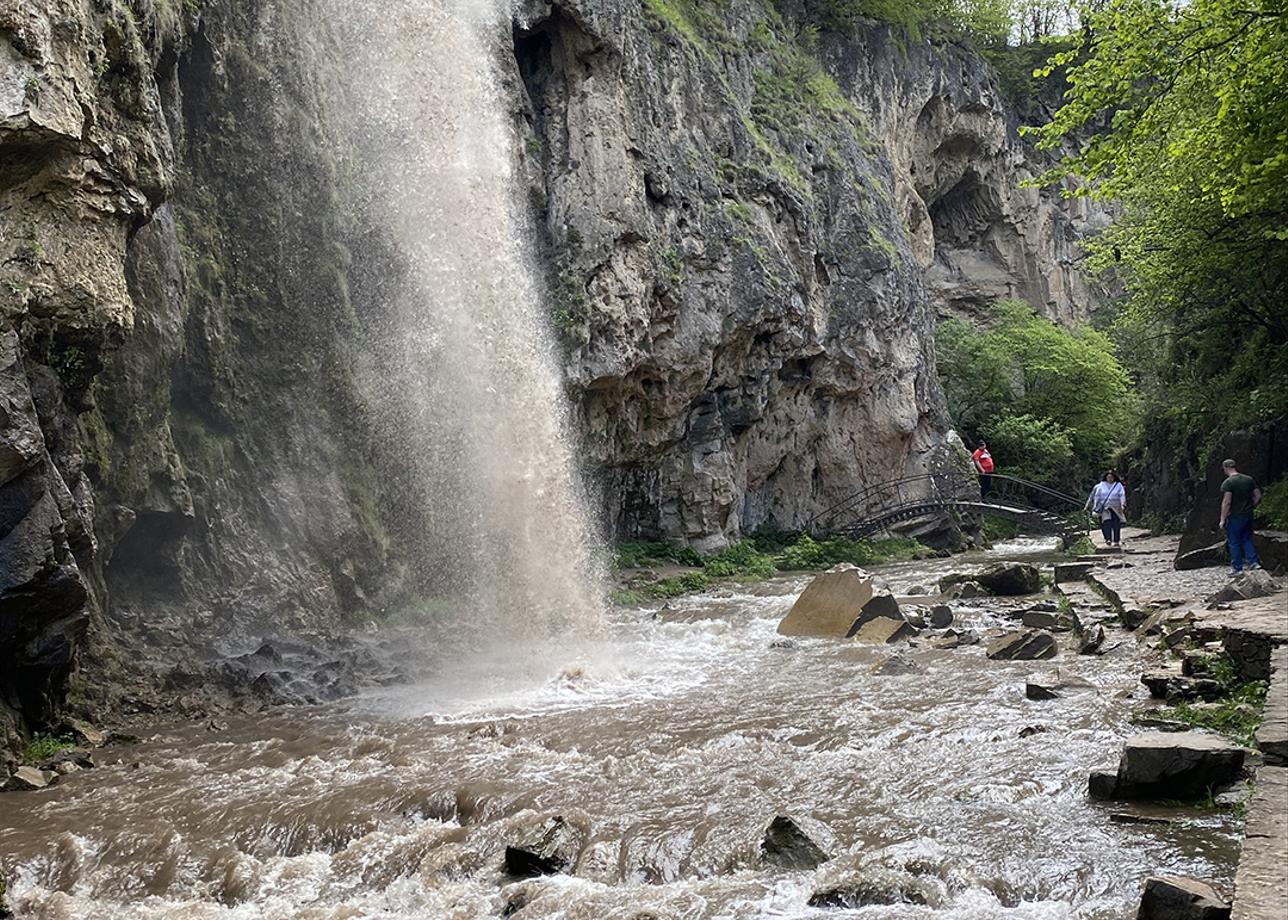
1107	495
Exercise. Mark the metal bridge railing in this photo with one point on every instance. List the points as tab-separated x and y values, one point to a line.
936	489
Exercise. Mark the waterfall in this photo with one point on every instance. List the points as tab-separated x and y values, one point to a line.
468	387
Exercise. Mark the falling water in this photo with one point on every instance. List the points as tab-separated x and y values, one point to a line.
468	387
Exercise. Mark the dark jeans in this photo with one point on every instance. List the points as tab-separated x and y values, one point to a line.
1112	527
985	483
1238	537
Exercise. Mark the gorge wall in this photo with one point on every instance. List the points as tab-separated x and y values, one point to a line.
747	228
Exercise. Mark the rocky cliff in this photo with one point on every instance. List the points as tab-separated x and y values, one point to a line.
751	227
747	228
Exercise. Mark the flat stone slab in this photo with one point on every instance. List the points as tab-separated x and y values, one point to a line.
1272	737
1170	765
1261	883
1024	645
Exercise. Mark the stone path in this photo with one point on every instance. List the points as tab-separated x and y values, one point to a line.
1260	885
1142	589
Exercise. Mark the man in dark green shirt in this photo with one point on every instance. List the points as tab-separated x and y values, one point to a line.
1241	496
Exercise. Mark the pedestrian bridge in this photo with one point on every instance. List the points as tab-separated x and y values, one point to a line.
878	507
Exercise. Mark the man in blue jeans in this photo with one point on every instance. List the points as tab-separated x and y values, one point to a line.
1241	496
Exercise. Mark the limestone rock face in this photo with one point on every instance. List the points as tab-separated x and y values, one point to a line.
747	345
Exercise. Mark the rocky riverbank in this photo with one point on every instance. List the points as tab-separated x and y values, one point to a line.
1219	642
1217	650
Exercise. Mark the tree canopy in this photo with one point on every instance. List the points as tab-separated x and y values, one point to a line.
1054	405
1178	113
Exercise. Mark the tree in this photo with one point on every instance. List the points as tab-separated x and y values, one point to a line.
1178	113
1054	404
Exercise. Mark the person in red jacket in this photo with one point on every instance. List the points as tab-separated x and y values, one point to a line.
983	461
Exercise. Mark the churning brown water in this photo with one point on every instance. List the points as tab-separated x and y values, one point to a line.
673	743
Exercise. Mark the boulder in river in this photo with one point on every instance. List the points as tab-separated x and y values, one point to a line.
28	779
940	616
787	846
552	848
1026	645
896	666
1170	765
830	605
884	630
1042	619
86	734
1181	899
1008	579
1054	686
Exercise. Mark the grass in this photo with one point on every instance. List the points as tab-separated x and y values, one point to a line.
1236	714
1083	547
761	556
999	528
42	746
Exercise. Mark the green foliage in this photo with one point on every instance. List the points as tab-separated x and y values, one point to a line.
1020	69
807	554
1236	715
742	560
972	17
1054	405
1176	112
627	597
43	746
688	583
1083	547
646	553
999	528
1273	507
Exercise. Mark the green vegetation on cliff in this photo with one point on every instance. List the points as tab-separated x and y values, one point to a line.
1177	113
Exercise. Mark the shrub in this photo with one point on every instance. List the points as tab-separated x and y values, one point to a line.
1055	404
682	584
42	746
741	559
645	553
1273	507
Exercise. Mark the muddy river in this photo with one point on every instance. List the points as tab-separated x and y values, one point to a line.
671	744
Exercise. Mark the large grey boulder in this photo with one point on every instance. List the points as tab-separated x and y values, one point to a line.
1171	898
788	846
1170	765
1008	579
830	605
1026	645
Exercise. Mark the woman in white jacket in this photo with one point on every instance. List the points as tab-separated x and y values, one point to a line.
1108	501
